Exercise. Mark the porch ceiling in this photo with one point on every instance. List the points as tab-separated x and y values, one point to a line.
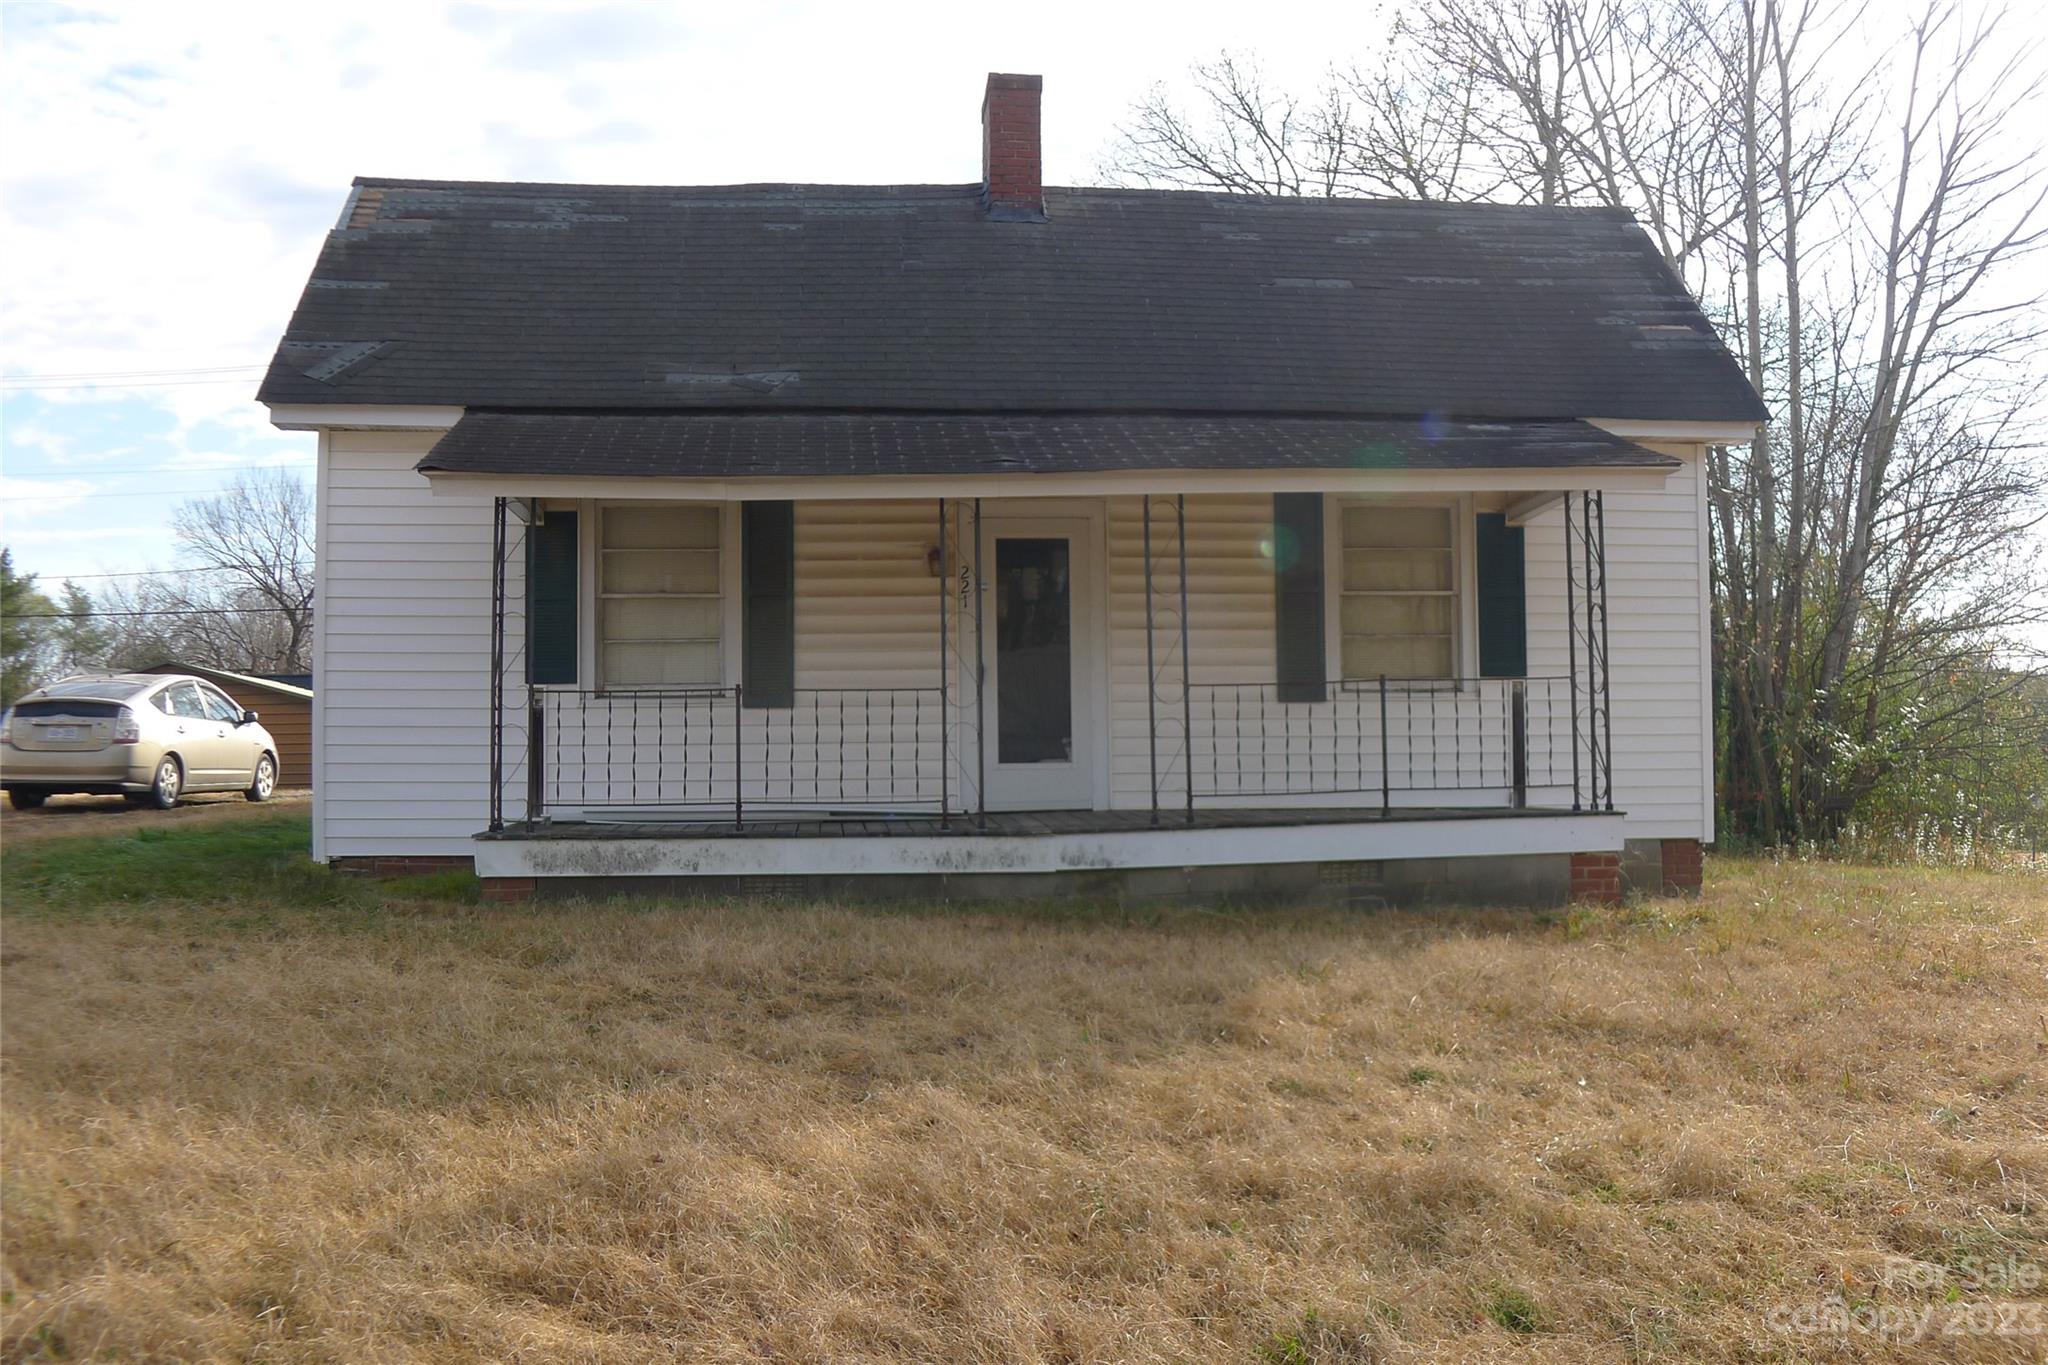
806	445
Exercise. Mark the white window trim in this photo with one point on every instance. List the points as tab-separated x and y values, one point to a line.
1464	581
590	597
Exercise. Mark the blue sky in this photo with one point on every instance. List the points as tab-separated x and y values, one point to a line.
167	171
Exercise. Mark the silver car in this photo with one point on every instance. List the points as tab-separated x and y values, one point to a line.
149	736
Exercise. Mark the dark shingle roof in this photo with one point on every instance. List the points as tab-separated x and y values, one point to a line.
756	445
909	298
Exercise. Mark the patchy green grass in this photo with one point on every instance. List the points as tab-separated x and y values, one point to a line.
249	873
1513	1309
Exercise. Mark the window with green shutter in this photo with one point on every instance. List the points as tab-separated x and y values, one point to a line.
551	600
1298	620
768	592
1503	598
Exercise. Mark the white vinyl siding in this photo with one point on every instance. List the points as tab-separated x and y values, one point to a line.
402	682
1397	591
404	636
1656	586
659	599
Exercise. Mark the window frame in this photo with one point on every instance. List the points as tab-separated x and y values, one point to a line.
170	694
590	576
208	692
1464	579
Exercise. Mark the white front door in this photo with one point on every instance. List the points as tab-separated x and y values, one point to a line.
1039	653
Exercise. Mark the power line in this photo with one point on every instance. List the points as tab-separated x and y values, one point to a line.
130	493
95	471
124	384
155	573
127	374
169	611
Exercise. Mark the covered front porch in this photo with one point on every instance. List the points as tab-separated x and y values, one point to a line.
1056	685
974	663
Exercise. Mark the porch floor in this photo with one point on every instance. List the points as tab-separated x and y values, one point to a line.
1043	822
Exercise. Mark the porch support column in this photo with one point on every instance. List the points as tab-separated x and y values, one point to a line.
1151	672
1187	663
945	707
980	689
497	739
1571	643
1599	776
1592	664
1596	505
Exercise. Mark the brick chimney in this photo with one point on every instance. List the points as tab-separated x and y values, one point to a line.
1012	180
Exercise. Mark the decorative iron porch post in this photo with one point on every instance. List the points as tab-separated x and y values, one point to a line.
1571	644
945	662
1151	671
536	777
1599	675
980	690
497	739
1187	663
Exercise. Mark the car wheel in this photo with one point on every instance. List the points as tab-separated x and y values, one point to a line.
22	800
265	780
170	780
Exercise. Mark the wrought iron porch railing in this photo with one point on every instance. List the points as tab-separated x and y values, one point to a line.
1380	736
699	750
857	747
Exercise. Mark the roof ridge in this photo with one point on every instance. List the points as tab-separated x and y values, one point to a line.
939	189
855	413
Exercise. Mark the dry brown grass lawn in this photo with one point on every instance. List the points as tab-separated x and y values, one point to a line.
381	1128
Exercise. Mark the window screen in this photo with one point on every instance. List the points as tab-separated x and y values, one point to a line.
1398	602
659	607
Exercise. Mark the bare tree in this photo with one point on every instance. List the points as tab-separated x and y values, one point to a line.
1845	207
1956	210
255	600
1247	139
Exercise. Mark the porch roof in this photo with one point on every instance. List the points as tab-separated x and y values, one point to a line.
790	444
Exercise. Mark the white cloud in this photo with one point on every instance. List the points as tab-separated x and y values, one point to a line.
170	169
298	456
33	498
41	439
121	537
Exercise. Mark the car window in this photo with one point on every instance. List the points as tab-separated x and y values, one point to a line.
95	687
162	700
185	702
219	706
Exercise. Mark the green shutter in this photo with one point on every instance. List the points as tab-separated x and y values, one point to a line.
1503	603
551	599
1300	624
768	594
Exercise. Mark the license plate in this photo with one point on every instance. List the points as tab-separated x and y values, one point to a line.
60	732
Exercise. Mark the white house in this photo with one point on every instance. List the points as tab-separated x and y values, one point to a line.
959	539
